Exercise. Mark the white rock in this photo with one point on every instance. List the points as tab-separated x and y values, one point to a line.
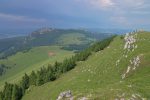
65	94
83	98
128	69
123	76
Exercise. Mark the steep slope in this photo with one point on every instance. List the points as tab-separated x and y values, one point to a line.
101	76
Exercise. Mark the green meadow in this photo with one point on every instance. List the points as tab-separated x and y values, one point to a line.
99	78
34	59
37	57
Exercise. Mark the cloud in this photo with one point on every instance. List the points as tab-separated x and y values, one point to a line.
140	12
120	20
102	3
134	3
121	13
17	18
98	4
116	4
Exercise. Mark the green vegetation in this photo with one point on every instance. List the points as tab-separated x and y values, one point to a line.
95	73
74	38
23	54
34	59
75	41
2	69
46	37
98	78
51	73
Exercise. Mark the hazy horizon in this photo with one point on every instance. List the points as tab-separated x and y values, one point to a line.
22	16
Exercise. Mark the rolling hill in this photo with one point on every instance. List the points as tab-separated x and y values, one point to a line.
119	72
42	47
34	59
46	37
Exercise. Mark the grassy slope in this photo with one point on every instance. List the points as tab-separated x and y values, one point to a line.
73	38
21	63
31	60
100	78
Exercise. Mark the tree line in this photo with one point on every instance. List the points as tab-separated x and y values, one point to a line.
49	73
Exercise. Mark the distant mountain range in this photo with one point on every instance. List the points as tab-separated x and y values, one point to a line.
4	34
8	35
111	31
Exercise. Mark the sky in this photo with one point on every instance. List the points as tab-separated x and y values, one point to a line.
23	15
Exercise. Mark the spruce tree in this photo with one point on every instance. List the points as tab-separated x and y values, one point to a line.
32	78
25	83
16	93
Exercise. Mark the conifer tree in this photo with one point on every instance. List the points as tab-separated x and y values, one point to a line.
16	93
25	83
32	78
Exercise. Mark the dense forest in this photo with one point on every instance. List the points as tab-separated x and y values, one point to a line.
50	73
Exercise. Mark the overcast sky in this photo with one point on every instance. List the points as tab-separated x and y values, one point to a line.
30	14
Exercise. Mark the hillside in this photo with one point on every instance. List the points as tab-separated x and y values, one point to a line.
19	55
46	37
34	59
119	72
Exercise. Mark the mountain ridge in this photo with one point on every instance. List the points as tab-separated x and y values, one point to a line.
100	78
